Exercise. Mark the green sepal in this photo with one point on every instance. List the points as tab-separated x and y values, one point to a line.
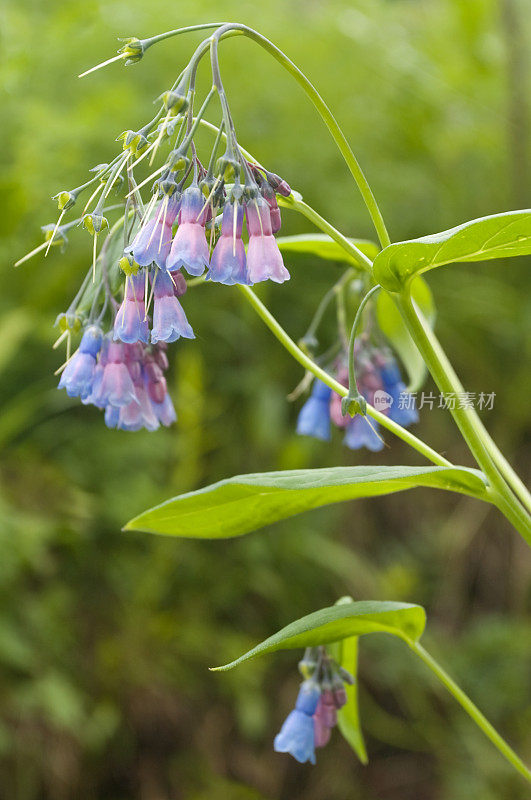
132	50
65	199
353	404
95	223
128	265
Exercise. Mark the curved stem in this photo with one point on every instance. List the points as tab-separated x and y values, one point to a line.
232	29
327	298
295	202
472	710
185	144
330	122
352	383
514	512
189	29
311	366
465	418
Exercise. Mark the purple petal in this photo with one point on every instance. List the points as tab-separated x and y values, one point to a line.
169	321
264	260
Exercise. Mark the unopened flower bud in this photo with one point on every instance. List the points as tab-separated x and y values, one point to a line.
179	284
279	184
60	235
132	50
345	675
228	167
178	160
100	168
160	357
134	141
65	199
175	100
153	371
128	264
95	223
340	697
68	321
157	390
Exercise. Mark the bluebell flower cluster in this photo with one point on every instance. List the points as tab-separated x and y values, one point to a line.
215	222
321	695
119	371
379	382
125	380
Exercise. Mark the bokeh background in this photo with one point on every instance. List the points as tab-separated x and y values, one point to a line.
105	637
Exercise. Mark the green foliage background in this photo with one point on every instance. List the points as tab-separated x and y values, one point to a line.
105	637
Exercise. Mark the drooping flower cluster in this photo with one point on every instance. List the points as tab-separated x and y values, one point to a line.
126	380
172	237
379	382
321	695
215	222
192	225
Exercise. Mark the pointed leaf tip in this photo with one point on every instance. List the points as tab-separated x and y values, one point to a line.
339	622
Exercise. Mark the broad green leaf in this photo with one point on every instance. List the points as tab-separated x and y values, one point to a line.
247	502
498	236
348	717
391	323
342	621
323	246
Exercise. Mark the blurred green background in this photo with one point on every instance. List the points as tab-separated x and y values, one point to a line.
105	637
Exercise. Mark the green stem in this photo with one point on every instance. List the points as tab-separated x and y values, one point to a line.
185	144
189	29
352	383
507	503
466	419
309	336
315	369
517	485
233	29
332	125
472	710
295	202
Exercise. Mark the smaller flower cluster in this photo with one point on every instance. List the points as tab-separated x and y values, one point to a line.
126	380
379	382
321	695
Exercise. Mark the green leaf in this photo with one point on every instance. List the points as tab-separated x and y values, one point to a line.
247	502
323	246
348	717
391	323
498	236
333	624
